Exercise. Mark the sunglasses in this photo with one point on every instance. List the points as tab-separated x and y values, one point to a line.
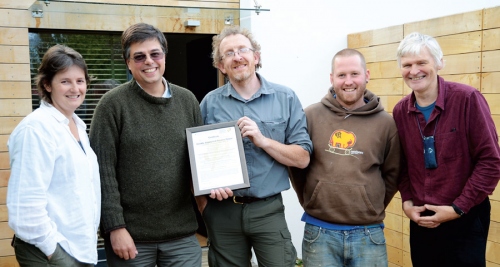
140	58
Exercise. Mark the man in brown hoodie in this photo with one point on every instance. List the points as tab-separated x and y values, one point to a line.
353	172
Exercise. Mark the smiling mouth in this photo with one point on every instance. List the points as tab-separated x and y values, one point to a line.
149	70
73	96
417	78
349	89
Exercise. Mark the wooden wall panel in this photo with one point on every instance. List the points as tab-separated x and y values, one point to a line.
7	124
491	39
388	102
491	61
4	177
393	238
395	255
184	3
15	89
15	107
493	100
3	142
3	195
9	261
491	18
462	63
4	163
390	86
492	250
15	72
3	213
14	36
490	82
393	222
14	54
495	206
461	43
5	248
379	53
494	233
14	18
5	231
394	207
459	23
376	37
472	79
384	69
17	4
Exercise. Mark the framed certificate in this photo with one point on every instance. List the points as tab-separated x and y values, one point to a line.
217	157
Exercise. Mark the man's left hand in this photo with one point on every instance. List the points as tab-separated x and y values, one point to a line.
442	214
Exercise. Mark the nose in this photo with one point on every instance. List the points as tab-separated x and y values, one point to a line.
414	69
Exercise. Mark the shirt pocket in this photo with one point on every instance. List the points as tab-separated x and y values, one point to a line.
274	129
449	146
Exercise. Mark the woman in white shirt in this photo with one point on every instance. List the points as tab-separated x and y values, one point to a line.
53	196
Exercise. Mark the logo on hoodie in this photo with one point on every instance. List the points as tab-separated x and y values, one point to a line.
341	143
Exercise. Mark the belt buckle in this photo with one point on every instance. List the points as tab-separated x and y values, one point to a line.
236	202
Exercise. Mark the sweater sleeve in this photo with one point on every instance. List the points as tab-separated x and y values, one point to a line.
391	167
104	140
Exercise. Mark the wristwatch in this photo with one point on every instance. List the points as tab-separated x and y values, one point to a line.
457	209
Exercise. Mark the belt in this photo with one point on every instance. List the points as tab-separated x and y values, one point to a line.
248	200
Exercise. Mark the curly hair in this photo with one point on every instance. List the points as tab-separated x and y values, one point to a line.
233	30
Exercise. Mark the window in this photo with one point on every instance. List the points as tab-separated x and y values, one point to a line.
102	53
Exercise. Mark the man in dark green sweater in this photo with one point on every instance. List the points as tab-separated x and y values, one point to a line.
138	134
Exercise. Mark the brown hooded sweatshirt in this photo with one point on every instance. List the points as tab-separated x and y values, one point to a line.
355	164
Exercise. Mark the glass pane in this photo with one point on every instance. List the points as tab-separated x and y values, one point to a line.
102	53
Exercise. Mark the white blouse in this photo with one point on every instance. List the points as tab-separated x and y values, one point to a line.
54	193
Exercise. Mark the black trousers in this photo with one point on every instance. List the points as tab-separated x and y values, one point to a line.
457	243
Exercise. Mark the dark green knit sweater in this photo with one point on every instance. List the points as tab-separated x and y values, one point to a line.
140	142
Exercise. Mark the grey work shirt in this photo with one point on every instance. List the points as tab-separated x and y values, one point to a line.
279	115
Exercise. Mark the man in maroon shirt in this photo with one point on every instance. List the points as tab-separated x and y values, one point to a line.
451	160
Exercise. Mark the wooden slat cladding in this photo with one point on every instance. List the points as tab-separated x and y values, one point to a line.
389	86
14	72
15	90
490	82
4	177
16	4
461	43
14	54
15	107
378	53
375	37
14	36
491	18
459	23
384	69
9	261
7	124
491	39
462	63
491	61
472	79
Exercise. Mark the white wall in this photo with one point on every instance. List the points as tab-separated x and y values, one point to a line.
299	39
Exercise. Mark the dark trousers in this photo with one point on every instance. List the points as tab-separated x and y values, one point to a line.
234	229
457	243
30	256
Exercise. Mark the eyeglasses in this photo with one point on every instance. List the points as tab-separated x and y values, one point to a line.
241	51
140	58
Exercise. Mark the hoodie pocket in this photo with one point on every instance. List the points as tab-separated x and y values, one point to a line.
341	203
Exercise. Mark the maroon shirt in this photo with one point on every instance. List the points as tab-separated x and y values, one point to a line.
466	143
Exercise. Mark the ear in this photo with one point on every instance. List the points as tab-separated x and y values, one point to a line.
256	57
331	79
48	88
442	64
128	64
367	75
220	66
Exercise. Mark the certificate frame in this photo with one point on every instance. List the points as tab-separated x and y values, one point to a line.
217	157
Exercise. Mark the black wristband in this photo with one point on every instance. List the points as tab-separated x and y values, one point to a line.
457	210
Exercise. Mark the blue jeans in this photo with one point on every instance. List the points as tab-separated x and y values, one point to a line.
359	247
